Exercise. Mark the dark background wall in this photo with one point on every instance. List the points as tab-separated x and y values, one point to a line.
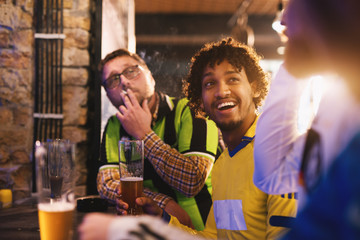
168	41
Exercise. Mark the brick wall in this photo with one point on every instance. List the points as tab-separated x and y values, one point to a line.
17	83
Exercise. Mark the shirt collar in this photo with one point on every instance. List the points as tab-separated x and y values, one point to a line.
166	105
246	139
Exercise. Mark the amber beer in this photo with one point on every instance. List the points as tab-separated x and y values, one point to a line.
132	188
56	220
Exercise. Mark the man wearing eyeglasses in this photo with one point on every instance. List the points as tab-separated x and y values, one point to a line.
179	148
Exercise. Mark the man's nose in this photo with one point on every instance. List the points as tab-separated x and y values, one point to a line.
124	82
223	90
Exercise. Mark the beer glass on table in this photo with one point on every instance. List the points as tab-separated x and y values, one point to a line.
55	188
131	167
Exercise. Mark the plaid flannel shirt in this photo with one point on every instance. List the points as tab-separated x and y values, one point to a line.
110	179
185	173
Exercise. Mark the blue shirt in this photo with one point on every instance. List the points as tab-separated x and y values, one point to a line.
333	210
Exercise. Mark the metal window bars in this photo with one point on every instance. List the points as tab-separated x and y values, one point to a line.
48	106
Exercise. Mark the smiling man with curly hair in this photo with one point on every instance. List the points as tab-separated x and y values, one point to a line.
227	84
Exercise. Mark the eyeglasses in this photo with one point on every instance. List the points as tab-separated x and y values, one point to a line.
115	80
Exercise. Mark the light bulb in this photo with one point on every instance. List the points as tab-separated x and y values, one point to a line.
276	25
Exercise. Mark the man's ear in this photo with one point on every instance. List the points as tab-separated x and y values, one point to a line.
255	91
203	114
202	106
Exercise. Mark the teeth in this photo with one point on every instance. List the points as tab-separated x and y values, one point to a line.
225	104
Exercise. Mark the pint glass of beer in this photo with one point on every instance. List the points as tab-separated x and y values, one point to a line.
131	166
55	188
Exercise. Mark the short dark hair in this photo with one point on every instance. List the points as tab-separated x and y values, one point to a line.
119	53
238	55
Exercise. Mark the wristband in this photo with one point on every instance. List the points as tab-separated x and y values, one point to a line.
165	216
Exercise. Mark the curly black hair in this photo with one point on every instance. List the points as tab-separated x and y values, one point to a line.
238	55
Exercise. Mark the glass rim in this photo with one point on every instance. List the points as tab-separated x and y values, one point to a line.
130	141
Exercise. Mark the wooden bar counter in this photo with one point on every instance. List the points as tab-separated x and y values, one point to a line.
21	221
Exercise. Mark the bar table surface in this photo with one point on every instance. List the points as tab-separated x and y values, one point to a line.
21	221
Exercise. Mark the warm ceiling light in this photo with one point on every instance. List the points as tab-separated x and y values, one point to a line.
276	25
280	50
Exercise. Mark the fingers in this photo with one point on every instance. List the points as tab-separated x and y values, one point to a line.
121	211
125	99
119	115
121	207
130	99
118	189
142	201
149	206
124	109
130	103
121	203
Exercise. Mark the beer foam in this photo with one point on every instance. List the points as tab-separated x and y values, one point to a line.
131	179
56	206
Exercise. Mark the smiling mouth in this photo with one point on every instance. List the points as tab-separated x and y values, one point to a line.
225	105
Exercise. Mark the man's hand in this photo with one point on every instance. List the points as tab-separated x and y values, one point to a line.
95	226
135	119
174	209
121	207
148	205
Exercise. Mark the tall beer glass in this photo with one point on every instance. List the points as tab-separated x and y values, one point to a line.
131	168
55	188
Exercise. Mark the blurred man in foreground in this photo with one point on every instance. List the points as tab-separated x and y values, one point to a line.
322	39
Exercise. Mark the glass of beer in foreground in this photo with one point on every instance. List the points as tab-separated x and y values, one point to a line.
131	169
55	188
